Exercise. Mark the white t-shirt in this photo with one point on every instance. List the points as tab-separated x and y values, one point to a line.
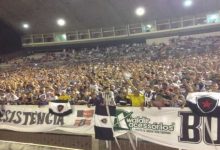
11	97
2	97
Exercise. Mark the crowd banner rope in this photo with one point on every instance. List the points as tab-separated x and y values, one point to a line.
173	127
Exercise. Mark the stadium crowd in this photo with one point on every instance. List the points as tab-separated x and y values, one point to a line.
137	74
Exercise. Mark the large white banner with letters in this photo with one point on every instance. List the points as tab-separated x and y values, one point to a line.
38	119
172	127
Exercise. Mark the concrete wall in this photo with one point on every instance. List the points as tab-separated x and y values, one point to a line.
66	141
167	39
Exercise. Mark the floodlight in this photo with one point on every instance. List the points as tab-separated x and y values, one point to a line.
140	11
149	26
25	26
61	22
187	3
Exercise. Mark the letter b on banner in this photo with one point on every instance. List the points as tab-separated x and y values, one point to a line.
190	128
193	129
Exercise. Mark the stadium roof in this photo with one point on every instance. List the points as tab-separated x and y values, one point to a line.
41	15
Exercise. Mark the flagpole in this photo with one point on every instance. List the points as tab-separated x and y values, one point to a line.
131	141
107	144
116	140
209	131
136	141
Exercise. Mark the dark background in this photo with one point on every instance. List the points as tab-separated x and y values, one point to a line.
10	39
90	14
85	14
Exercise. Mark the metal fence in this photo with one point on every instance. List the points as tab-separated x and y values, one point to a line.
117	31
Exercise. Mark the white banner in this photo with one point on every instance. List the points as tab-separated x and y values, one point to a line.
34	119
173	127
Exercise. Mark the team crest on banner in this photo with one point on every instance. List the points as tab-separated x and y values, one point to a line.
204	103
207	104
104	120
60	108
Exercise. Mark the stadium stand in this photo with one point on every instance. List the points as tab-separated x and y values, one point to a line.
53	86
169	71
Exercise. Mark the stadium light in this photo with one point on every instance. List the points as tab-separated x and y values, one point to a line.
140	11
149	26
61	22
214	16
25	26
187	3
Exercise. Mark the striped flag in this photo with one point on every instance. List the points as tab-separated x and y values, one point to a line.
109	98
60	107
204	103
104	122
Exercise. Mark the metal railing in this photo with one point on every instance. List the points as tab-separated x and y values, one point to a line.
117	31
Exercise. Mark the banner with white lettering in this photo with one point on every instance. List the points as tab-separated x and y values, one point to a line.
174	127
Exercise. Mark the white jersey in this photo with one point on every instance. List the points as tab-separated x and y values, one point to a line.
108	98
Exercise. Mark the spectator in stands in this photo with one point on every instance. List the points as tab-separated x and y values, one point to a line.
160	75
95	99
10	97
136	98
108	96
64	96
121	99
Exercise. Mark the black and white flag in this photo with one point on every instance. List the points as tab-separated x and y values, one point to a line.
204	103
60	107
104	122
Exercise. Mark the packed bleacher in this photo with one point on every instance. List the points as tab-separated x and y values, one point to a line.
133	74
